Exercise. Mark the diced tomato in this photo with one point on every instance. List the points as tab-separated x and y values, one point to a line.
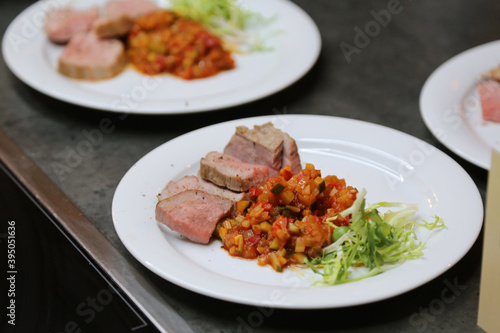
286	173
267	206
291	219
165	33
254	240
254	192
208	40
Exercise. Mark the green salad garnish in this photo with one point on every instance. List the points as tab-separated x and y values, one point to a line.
237	25
374	240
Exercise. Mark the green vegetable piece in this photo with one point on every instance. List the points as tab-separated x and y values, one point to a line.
339	232
274	244
277	189
321	184
286	212
293	228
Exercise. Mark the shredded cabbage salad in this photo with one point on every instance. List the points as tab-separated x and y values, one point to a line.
238	26
375	240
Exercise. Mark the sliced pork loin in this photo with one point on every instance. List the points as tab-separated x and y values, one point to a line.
264	145
175	187
227	171
92	58
489	95
221	192
197	183
62	24
291	155
193	213
119	16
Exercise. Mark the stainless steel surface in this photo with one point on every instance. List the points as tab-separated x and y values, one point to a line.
143	293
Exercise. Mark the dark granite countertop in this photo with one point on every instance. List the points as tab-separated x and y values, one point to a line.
380	83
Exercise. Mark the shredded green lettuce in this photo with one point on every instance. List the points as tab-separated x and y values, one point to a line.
377	241
237	25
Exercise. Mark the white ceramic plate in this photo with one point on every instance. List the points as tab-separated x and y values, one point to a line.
451	109
294	37
364	154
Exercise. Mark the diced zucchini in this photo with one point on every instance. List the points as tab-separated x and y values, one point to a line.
245	224
287	196
299	257
227	224
286	212
293	208
321	184
276	210
293	228
222	233
277	189
238	239
233	251
237	219
281	252
242	206
300	245
275	262
265	226
274	244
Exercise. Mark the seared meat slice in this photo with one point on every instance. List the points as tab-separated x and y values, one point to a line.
112	27
489	94
193	213
62	24
221	192
264	145
89	57
183	184
197	183
120	15
228	171
290	154
257	146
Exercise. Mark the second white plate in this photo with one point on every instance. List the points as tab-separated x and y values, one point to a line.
451	109
294	37
363	153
